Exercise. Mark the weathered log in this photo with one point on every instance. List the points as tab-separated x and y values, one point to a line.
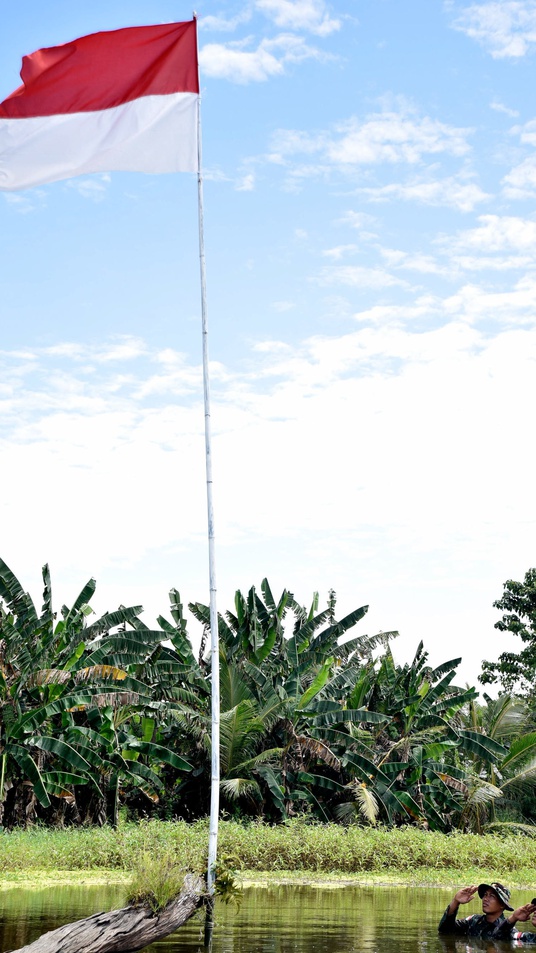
122	931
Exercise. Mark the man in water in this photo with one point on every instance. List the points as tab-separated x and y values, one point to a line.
491	923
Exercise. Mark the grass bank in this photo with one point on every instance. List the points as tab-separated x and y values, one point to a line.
296	852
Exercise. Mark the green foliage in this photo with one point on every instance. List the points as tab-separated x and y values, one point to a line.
408	766
285	677
502	790
86	848
156	880
297	845
226	886
516	670
108	716
70	706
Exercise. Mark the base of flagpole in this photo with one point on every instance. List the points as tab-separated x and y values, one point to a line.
209	923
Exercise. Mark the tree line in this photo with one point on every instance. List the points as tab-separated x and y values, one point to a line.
102	716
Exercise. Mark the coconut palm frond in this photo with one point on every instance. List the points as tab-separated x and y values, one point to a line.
483	792
347	812
525	779
367	803
512	827
270	754
236	788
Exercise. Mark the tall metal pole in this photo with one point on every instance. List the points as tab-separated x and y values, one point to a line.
214	646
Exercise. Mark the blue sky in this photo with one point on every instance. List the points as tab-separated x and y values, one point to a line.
370	185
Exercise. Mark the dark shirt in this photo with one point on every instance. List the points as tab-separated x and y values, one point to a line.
476	925
523	937
507	932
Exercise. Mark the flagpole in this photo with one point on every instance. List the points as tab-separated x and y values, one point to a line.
214	646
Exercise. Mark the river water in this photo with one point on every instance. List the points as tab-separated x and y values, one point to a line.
284	919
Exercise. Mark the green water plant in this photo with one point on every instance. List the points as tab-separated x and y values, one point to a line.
156	880
226	885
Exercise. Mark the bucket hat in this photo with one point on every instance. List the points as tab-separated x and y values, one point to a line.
500	890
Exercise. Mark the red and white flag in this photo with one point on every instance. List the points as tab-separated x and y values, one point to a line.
125	100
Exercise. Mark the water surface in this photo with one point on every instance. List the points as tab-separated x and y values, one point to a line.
284	919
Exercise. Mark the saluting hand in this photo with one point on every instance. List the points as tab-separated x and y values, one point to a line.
522	913
465	894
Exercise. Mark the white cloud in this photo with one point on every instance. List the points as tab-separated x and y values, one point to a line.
501	263
357	276
308	15
515	306
498	243
357	220
283	306
233	61
395	136
123	348
416	417
505	29
527	132
501	108
452	192
414	261
272	347
401	314
93	188
520	182
246	183
26	202
224	24
392	136
497	233
239	65
340	251
215	175
294	49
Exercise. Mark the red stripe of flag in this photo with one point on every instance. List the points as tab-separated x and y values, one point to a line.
104	70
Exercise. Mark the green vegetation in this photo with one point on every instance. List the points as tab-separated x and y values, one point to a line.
226	885
516	670
257	850
156	879
74	716
107	717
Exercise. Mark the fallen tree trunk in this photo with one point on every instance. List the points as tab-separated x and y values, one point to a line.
122	931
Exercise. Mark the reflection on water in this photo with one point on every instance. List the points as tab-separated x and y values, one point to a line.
26	914
270	920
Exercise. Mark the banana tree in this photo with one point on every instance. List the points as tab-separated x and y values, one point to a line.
51	669
257	633
502	793
412	766
118	744
289	669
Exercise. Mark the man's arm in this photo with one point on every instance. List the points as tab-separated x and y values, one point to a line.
449	923
521	914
